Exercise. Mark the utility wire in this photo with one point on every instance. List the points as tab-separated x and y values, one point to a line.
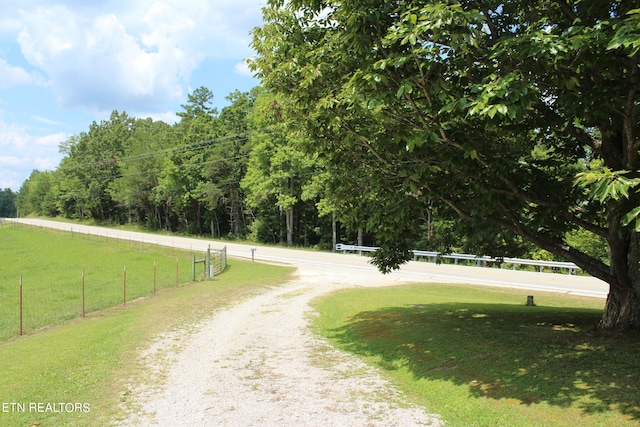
220	141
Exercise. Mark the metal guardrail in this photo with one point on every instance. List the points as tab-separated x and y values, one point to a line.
479	260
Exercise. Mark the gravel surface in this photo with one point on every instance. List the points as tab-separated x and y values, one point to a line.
258	364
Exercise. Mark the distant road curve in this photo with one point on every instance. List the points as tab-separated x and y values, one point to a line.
353	264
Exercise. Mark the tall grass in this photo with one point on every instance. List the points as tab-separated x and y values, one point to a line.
481	357
51	265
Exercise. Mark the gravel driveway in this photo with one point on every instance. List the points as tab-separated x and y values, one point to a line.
257	364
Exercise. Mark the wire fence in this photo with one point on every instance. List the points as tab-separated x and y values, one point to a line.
47	295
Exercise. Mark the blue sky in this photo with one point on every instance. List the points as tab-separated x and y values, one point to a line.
67	63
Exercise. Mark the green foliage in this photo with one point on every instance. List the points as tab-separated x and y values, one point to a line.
606	185
37	194
7	203
627	34
91	167
189	176
388	259
277	170
133	188
592	245
487	111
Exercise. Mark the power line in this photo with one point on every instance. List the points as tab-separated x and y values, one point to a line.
220	141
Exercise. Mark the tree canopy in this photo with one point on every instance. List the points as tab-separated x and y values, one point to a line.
518	118
7	203
232	173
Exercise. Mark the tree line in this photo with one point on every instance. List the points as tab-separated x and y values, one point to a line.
233	173
244	172
7	203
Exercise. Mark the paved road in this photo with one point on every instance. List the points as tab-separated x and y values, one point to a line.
335	263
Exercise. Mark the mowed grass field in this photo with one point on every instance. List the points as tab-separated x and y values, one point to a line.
79	371
51	264
480	357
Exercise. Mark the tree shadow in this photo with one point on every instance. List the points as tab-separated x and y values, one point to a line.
531	354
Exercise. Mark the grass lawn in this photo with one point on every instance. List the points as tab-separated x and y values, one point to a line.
480	357
80	367
51	264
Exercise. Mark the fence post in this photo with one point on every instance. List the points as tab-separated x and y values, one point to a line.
207	266
83	293
124	287
20	305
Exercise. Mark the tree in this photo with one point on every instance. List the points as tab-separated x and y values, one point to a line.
91	166
139	167
277	171
489	109
198	131
229	162
7	203
37	196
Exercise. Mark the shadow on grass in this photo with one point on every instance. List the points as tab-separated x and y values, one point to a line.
531	354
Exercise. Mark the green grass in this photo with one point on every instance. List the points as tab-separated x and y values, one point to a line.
51	265
481	357
93	361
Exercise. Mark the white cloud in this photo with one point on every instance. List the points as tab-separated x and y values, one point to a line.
95	63
47	121
12	137
22	153
10	161
93	57
242	68
136	58
52	140
168	117
14	76
45	163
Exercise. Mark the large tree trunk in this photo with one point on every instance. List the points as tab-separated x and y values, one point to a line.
622	309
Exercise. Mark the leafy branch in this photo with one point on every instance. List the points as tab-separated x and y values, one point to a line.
604	185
